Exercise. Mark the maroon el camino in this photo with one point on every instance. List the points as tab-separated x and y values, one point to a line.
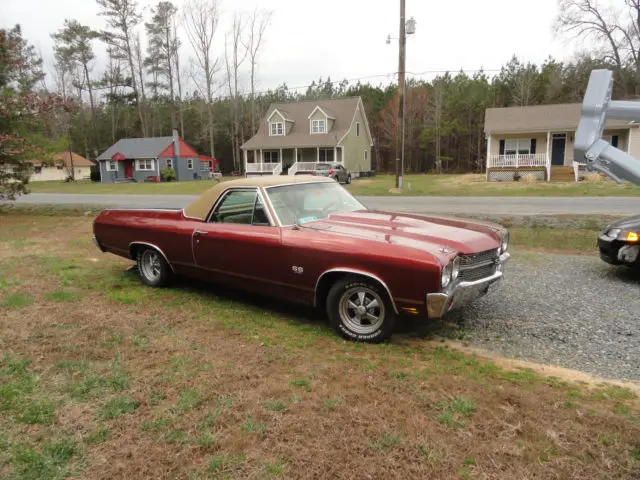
307	239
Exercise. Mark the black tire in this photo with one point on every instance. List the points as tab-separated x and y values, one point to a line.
353	327
157	275
348	179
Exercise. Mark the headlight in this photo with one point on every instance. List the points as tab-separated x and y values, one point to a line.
446	275
614	232
456	268
505	242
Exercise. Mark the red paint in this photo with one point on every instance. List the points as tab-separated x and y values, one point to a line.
185	150
400	249
128	169
118	157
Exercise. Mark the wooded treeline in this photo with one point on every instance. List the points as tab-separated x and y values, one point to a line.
147	88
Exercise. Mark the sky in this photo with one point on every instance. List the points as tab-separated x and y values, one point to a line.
309	39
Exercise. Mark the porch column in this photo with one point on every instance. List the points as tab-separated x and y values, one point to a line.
548	162
317	154
295	155
487	164
246	159
335	154
629	142
280	157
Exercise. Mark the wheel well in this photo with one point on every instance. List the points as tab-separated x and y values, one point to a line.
328	279
134	248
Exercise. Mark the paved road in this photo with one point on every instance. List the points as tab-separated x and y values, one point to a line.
452	205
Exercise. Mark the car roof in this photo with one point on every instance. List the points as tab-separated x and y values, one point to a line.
199	208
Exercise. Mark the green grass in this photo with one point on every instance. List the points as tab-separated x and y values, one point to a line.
275	406
385	442
439	185
118	406
62	296
18	300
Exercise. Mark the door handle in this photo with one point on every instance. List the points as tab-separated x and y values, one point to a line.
200	232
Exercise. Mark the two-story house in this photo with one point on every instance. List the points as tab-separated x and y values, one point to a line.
293	137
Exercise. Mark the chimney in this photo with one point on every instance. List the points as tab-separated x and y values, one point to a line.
176	144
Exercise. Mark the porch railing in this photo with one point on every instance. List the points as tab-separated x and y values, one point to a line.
518	160
302	167
262	167
576	170
278	169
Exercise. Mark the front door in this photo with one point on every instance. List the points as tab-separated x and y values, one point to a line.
558	144
240	245
128	169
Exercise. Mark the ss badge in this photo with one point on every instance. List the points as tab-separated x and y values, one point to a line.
298	270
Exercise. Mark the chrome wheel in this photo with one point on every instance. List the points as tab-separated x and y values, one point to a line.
361	310
150	264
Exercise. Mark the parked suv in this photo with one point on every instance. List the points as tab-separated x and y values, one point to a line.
333	170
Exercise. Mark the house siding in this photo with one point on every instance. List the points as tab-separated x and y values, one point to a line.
50	174
354	146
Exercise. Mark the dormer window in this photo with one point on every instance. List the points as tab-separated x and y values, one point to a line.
318	126
277	128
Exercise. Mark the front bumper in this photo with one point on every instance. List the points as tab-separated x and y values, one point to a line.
462	293
97	244
617	252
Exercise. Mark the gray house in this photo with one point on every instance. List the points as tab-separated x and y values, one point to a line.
293	137
144	159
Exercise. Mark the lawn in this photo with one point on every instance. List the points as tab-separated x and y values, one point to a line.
430	185
103	378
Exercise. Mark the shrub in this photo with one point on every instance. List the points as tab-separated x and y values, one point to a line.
168	174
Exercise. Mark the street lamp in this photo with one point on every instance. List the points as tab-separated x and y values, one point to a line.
407	27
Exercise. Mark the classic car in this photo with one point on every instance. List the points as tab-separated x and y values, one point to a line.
307	239
619	242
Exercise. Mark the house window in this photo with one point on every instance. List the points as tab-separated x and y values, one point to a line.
326	155
366	155
112	166
271	156
612	140
59	167
145	165
170	163
357	129
190	163
277	128
517	146
38	169
318	126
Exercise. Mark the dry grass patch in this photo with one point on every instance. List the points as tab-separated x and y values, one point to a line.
196	382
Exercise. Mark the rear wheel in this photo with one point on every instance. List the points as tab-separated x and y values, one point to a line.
153	268
360	310
348	181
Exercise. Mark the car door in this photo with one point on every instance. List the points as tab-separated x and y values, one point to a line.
240	244
340	173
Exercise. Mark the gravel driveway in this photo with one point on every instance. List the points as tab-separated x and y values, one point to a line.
566	310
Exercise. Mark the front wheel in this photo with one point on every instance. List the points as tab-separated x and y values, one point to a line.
153	268
348	179
360	310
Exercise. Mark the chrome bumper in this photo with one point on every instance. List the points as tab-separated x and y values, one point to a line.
462	293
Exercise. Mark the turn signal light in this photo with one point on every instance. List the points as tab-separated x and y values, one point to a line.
632	237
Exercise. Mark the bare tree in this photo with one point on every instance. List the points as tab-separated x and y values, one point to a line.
201	22
233	61
122	18
176	60
257	25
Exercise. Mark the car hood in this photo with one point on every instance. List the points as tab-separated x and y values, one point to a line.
440	236
632	223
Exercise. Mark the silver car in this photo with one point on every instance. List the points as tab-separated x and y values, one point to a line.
333	170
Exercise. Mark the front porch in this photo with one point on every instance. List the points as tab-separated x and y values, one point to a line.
545	156
289	161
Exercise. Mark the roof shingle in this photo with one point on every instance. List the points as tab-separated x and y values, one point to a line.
342	109
137	147
538	118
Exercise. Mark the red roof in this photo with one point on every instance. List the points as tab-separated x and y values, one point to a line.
118	157
185	150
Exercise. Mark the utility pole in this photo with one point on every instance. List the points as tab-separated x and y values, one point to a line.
401	71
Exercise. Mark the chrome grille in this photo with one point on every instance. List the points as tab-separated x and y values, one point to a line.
478	265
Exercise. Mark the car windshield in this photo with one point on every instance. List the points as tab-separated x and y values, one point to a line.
306	202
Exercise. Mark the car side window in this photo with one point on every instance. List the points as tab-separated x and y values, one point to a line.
235	207
260	213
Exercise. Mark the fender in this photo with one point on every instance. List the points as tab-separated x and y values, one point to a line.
155	247
356	272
